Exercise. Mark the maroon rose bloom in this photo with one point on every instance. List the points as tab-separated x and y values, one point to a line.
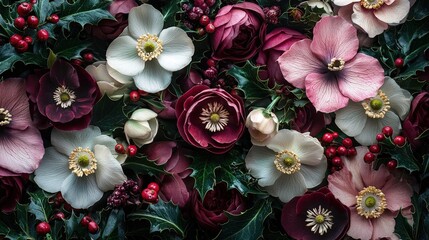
66	96
210	212
240	30
109	29
169	103
316	215
10	192
309	120
417	120
210	118
275	44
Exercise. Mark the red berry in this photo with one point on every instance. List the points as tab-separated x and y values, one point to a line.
387	131
369	157
24	9
351	152
88	57
132	150
134	96
336	161
42	35
32	21
77	62
347	142
335	135
33	1
59	216
211	62
392	164
21	46
327	138
14	39
54	18
154	186
119	148
210	28
375	148
43	228
341	150
210	2
93	227
330	152
28	39
149	195
19	23
85	221
399	141
143	93
399	62
201	31
204	20
380	137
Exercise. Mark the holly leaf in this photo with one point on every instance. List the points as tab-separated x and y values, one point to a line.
248	225
204	167
169	11
403	228
114	222
39	206
107	114
42	9
404	156
72	225
162	216
419	10
70	48
8	57
140	165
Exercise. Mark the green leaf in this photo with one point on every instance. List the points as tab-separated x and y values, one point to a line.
39	206
419	10
249	82
404	156
4	229
142	165
42	9
425	164
108	115
169	11
402	228
248	225
204	167
51	59
70	48
114	222
8	57
162	216
72	225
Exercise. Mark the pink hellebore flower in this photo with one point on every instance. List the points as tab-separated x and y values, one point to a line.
374	197
329	67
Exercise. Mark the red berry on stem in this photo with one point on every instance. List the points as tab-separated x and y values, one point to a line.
330	152
210	28
32	21
380	137
341	150
24	8
134	96
369	157
149	195
93	227
119	148
399	141
21	46
14	39
392	164
28	39
335	135
336	161
347	142
351	152
59	216
375	148
211	62
54	18
132	150
154	186
88	57
399	62
85	221
43	35
43	228
19	23
387	130
33	1
204	20
201	31
327	138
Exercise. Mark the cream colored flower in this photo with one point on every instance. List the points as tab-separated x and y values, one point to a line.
142	127
262	126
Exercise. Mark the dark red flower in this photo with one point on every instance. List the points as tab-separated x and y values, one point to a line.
108	29
308	120
10	192
417	120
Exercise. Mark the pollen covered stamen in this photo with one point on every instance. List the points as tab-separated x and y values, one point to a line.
287	162
320	220
5	117
370	202
64	97
215	117
82	162
149	46
372	4
378	106
336	64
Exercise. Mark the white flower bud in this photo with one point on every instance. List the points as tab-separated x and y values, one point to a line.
142	127
262	126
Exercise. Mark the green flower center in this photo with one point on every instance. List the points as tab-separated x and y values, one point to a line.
83	161
289	161
149	47
319	219
64	97
370	202
376	104
214	117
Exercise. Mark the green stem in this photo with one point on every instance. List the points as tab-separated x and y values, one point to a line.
272	104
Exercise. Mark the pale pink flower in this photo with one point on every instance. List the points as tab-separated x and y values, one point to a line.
329	67
374	197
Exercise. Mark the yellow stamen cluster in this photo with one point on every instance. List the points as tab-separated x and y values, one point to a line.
336	64
215	117
378	106
287	162
320	220
64	97
371	4
149	46
5	117
82	162
370	202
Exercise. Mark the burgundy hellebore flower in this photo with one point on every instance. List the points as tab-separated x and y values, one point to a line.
210	212
67	94
417	120
21	145
10	192
309	120
316	215
240	30
210	118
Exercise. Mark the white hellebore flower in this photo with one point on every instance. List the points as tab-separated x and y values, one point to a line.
365	119
290	163
324	4
81	164
141	127
262	126
148	53
110	82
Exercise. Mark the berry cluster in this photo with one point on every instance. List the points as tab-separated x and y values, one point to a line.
196	16
131	149
150	194
335	150
125	194
272	14
90	224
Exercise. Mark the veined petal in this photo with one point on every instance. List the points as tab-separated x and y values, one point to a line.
283	140
178	49
104	140
121	78
143	114
260	162
52	171
367	21
297	62
81	192
122	56
66	141
400	99
307	148
393	13
361	78
351	119
324	92
153	78
14	99
334	37
145	19
384	226
341	185
109	171
374	126
398	194
343	2
360	227
314	174
287	187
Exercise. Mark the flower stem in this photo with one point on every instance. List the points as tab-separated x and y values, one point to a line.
267	111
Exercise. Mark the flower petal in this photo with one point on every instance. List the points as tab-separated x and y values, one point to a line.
393	13
14	99
121	78
324	92
398	194
361	78
334	37
360	227
283	140
342	186
145	19
260	162
109	171
153	78
400	99
52	171
104	140
384	226
122	56
308	149
178	49
374	126
287	187
351	119
143	114
314	174
367	21
343	2
66	141
297	62
81	192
